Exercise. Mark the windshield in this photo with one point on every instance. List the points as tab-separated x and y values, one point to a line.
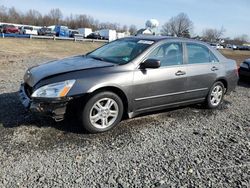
28	28
121	51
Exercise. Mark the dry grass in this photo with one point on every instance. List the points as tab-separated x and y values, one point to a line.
13	49
236	55
44	48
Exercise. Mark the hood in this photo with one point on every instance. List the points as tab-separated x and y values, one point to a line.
76	63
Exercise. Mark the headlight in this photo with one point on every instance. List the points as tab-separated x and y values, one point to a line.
55	90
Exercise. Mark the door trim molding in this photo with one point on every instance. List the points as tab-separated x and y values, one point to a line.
170	94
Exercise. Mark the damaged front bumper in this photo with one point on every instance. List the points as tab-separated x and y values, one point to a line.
55	108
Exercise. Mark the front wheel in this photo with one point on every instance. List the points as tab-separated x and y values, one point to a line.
102	112
216	95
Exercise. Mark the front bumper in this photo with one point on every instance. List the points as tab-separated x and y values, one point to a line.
55	108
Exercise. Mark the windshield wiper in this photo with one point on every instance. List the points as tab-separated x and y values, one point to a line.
97	58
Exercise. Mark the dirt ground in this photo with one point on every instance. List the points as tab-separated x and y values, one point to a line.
14	48
237	55
184	147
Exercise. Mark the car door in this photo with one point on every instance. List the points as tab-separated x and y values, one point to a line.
155	88
202	70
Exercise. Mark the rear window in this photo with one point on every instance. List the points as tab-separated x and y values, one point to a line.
198	53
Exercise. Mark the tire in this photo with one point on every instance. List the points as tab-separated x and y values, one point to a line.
103	118
215	95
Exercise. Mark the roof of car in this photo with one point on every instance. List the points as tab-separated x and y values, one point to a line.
159	38
152	37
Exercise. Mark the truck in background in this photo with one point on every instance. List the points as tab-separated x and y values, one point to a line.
120	35
61	31
85	31
108	34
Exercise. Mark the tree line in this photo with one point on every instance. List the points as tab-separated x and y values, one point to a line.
55	16
180	25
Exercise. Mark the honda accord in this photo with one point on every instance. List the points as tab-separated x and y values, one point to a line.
128	77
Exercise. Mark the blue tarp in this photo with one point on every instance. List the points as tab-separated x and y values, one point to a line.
14	35
62	31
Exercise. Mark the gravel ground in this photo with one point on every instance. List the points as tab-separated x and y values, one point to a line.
184	147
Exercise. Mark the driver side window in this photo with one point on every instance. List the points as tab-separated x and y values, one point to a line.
169	54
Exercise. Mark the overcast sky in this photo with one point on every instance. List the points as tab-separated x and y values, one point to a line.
233	15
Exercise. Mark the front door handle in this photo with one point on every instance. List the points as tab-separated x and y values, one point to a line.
214	68
180	73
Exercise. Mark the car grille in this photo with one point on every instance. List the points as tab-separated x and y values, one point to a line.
28	90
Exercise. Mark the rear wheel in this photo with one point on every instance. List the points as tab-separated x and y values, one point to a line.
102	112
216	95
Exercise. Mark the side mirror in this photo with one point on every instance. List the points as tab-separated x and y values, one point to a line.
151	64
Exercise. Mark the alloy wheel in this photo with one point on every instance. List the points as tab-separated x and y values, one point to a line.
216	95
104	113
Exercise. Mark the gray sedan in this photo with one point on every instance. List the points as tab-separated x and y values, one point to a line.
129	77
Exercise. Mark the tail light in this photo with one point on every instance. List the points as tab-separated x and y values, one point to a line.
237	70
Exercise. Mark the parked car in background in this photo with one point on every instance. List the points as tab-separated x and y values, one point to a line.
235	47
10	29
232	46
94	36
28	30
243	47
1	28
244	70
46	31
74	33
128	77
216	46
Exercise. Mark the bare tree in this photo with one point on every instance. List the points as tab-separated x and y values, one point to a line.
33	17
14	16
179	26
213	35
241	39
4	14
124	28
71	22
55	15
132	30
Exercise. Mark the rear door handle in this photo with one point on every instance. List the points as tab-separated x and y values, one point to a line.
180	73
214	68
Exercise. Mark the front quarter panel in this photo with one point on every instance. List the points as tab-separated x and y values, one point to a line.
88	81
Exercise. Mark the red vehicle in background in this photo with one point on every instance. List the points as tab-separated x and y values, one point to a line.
10	29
